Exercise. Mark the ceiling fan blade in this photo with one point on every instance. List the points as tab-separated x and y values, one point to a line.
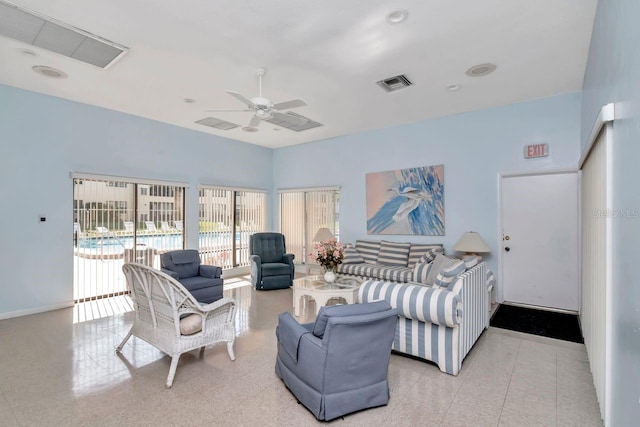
287	105
241	98
289	118
228	111
255	122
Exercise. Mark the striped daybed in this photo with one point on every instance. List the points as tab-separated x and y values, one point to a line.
435	323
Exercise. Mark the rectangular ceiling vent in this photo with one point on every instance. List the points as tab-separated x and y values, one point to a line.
47	33
391	84
217	123
281	120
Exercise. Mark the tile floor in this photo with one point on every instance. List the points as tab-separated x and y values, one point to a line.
57	372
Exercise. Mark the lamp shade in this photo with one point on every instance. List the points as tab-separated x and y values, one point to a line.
471	242
323	234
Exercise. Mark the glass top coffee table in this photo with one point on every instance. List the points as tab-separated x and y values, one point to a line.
321	291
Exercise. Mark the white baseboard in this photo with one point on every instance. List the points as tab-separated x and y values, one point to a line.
36	310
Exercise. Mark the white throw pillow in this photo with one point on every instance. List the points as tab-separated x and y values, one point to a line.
191	324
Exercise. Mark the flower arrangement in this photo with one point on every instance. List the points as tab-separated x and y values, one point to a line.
328	253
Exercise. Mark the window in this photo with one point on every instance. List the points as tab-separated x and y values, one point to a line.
161	190
303	213
118	184
227	218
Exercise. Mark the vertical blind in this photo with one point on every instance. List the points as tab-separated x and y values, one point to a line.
303	213
115	221
227	218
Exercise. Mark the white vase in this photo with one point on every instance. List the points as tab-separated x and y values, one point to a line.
329	276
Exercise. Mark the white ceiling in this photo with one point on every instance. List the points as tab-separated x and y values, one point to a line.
329	53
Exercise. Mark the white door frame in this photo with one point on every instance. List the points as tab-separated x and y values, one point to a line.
501	176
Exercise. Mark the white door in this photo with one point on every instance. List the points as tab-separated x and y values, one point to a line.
540	240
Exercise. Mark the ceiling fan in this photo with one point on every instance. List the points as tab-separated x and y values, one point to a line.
264	109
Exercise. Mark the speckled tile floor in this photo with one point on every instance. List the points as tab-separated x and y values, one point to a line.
57	373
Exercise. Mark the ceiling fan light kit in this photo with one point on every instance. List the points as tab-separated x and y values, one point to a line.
263	109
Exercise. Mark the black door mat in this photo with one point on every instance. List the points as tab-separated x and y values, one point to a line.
550	324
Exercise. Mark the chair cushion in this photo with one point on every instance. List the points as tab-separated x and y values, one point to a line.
471	261
199	282
345	310
394	253
275	269
368	249
351	256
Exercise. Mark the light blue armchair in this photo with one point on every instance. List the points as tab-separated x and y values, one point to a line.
271	266
339	364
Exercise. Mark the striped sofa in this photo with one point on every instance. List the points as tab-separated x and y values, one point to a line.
435	323
376	265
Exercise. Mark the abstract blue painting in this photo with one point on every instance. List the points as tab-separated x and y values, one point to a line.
406	201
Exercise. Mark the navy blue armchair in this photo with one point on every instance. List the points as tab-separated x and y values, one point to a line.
338	364
204	282
271	266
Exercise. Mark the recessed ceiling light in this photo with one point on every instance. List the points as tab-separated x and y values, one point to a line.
481	70
453	88
49	72
190	100
249	129
28	52
397	16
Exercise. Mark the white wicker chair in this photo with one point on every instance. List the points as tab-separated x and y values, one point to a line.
162	306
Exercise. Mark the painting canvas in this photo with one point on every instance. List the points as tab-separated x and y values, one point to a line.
406	201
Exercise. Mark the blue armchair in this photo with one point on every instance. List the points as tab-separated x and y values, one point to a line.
339	364
204	282
271	266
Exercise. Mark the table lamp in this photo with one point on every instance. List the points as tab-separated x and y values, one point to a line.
323	235
471	243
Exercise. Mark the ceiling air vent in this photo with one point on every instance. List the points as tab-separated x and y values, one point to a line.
391	84
47	33
217	123
281	120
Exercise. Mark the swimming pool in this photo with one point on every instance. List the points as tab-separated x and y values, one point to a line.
112	244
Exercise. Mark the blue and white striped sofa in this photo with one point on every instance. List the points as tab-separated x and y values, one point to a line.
435	323
372	268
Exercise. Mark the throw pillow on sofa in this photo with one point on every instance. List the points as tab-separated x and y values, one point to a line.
448	274
421	272
369	250
352	256
431	254
393	253
418	250
441	263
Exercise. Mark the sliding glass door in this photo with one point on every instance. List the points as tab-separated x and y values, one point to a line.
303	213
227	218
118	221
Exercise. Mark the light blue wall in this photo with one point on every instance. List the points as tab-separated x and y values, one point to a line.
613	75
473	147
43	139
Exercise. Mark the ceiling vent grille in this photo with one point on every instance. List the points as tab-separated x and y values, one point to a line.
217	123
281	120
391	84
47	33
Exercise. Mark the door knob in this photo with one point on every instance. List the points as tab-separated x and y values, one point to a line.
507	248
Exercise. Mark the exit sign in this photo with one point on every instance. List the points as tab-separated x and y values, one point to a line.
536	150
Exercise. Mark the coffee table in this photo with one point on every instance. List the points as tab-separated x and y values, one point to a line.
321	291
